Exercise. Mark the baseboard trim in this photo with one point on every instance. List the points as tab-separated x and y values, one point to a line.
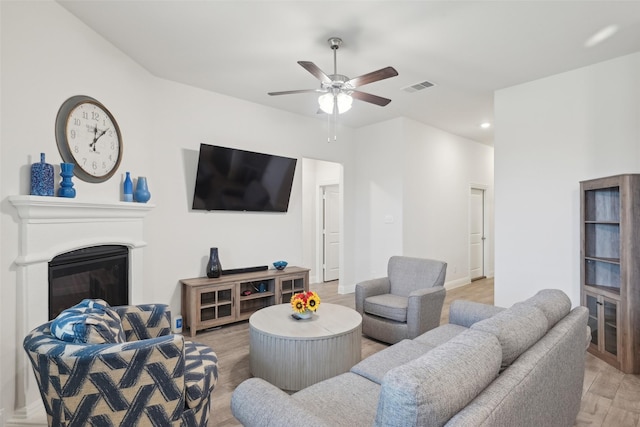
32	415
452	284
346	289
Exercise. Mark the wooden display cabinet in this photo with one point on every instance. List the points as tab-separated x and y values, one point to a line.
207	303
610	268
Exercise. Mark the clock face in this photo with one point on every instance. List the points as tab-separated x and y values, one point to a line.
88	136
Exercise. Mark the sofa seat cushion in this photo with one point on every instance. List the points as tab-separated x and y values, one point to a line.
201	373
375	366
517	328
345	400
429	390
392	307
440	335
92	321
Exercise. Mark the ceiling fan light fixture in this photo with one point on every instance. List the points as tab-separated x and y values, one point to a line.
343	100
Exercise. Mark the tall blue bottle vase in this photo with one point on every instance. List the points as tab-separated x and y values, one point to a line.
66	185
142	193
41	178
127	189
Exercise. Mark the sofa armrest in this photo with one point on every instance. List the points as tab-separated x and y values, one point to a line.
424	309
255	402
369	288
466	313
145	321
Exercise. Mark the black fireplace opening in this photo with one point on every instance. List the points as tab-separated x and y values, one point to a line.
95	272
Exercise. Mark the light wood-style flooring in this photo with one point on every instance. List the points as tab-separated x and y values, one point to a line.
610	398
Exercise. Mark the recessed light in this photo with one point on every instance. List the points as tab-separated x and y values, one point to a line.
601	35
485	125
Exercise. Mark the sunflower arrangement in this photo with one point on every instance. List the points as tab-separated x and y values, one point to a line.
305	301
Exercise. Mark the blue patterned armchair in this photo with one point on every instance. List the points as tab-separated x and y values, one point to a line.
155	378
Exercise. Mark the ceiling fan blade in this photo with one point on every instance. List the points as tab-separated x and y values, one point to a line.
315	70
291	92
367	97
374	76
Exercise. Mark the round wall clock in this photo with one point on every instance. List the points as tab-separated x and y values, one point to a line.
89	137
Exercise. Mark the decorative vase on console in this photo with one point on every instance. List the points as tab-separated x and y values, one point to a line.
66	185
41	178
214	268
142	194
127	189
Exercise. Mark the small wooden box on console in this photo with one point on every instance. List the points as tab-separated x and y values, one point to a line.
230	298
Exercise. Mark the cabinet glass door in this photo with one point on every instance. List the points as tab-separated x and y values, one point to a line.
592	305
610	314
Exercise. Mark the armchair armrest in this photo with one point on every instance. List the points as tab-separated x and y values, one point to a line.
255	402
424	309
141	322
466	313
369	288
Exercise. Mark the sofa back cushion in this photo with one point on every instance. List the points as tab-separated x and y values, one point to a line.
516	328
554	303
429	390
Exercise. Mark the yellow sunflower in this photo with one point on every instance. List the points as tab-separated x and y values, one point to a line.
313	301
297	304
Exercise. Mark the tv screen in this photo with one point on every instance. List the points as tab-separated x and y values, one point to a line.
237	180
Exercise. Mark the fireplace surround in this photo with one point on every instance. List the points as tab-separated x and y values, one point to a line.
48	227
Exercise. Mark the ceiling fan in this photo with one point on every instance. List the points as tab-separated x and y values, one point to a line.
339	90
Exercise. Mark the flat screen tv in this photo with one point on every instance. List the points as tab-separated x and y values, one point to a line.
229	179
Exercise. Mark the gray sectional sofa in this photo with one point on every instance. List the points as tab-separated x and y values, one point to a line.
489	366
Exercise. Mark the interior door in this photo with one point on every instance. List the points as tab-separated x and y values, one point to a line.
331	232
476	237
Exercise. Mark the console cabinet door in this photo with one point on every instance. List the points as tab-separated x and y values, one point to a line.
291	285
216	305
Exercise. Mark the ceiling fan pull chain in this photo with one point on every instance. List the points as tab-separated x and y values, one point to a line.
332	123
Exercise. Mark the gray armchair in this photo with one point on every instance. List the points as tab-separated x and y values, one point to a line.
405	304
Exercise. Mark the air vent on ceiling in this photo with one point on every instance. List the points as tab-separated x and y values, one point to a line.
418	86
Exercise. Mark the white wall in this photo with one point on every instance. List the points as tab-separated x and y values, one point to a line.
48	56
439	171
413	196
551	134
380	195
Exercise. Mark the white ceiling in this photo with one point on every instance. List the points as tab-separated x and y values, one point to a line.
468	49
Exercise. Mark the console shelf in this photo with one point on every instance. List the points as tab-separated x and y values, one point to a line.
230	298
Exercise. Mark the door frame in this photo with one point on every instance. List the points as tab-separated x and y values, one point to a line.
484	188
319	225
321	236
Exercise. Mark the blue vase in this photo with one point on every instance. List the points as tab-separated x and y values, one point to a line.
214	267
66	185
127	189
41	178
142	194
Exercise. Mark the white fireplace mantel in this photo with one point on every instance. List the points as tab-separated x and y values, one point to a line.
54	209
50	226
